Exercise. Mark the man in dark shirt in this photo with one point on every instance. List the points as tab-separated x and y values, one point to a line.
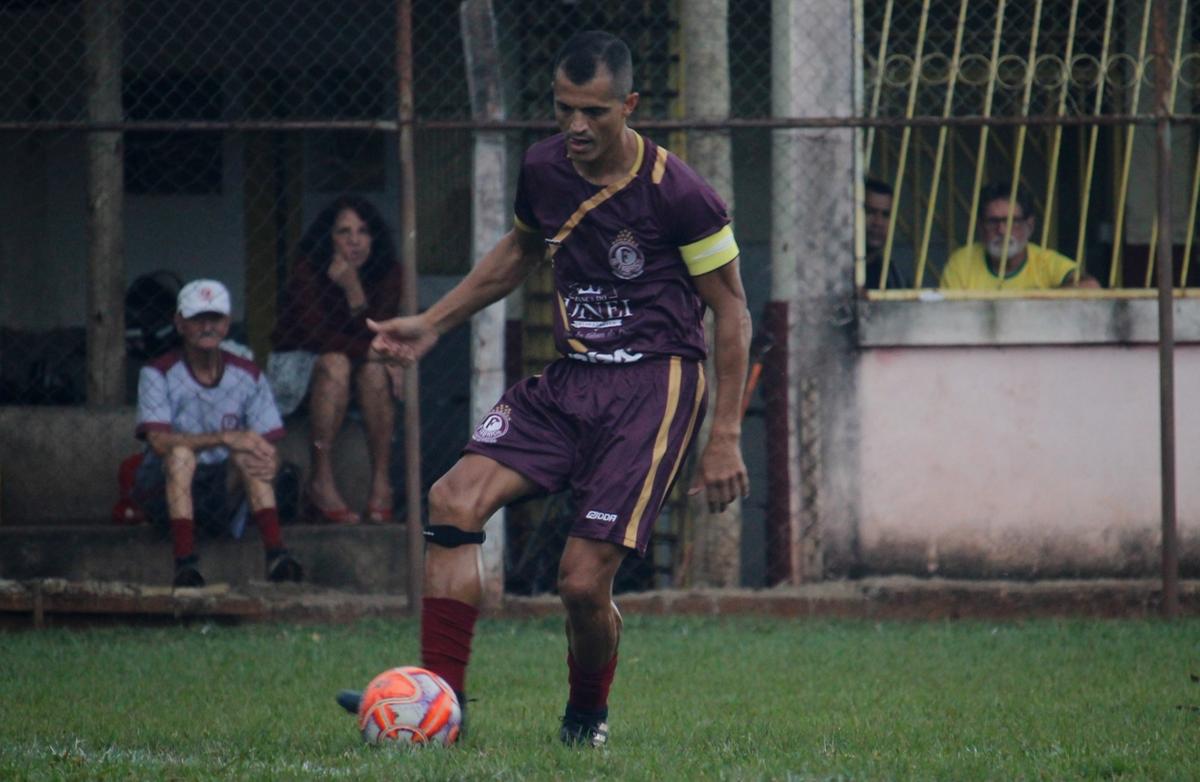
641	246
877	208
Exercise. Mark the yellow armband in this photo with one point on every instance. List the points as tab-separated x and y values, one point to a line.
711	252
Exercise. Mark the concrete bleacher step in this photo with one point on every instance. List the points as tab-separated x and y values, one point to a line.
363	558
56	602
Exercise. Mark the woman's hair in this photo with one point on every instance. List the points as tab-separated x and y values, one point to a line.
317	244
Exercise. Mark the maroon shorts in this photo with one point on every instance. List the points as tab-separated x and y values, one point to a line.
615	435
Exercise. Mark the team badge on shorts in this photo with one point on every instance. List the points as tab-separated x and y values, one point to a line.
494	425
625	257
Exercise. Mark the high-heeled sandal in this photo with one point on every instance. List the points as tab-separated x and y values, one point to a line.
379	515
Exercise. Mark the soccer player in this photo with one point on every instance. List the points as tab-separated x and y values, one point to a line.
641	246
200	408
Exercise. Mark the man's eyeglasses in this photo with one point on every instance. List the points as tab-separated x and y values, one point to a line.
999	222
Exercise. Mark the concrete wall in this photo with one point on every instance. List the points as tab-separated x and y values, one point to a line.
1007	448
1020	461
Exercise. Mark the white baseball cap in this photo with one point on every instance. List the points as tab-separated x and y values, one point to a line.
203	296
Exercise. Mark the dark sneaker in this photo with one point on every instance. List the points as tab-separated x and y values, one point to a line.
188	575
462	710
584	729
282	567
349	700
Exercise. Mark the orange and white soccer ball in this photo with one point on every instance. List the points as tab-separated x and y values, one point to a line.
409	706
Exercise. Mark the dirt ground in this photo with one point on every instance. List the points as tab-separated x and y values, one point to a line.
54	602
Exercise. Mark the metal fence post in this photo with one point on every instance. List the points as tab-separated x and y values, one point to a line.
1166	325
409	301
106	206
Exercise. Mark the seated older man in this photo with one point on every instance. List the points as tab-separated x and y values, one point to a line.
979	266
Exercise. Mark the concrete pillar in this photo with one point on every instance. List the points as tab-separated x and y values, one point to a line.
716	538
490	220
814	420
106	206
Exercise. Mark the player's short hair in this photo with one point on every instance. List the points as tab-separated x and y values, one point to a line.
1002	191
878	186
582	54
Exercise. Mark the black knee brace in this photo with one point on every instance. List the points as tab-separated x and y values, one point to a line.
447	536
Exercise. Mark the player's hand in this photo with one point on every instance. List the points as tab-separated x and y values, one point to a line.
722	474
401	341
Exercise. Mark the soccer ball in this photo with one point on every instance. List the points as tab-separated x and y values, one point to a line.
409	706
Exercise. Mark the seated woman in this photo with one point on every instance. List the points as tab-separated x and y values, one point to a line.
346	273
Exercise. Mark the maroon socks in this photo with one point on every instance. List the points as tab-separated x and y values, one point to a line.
183	537
183	533
447	627
589	689
267	520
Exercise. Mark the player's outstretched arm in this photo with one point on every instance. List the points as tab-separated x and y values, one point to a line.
405	340
722	475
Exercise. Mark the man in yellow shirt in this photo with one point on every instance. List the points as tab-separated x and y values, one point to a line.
1029	266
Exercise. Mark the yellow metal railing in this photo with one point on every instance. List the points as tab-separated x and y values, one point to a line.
981	154
939	155
1093	137
904	138
1056	144
1179	28
1019	154
1076	61
1114	264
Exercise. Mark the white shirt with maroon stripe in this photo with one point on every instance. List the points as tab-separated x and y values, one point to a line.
170	399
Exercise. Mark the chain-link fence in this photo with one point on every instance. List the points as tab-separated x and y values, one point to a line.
257	145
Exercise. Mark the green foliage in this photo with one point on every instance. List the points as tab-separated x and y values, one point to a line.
720	699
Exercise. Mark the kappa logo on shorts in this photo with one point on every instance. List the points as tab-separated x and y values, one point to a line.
599	515
494	425
625	257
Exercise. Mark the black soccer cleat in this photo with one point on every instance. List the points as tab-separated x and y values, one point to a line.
283	567
187	574
462	711
584	728
349	700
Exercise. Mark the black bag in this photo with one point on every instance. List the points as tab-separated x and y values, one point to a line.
287	493
150	304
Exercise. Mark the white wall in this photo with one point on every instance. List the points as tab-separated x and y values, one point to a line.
43	257
43	248
43	252
1021	460
193	235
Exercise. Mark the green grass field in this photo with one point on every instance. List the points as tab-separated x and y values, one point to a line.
725	699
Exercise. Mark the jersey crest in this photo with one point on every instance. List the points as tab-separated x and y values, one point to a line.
625	257
494	425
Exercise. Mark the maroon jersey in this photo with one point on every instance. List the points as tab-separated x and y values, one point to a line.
624	254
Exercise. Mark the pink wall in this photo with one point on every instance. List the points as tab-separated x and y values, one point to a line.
1021	460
